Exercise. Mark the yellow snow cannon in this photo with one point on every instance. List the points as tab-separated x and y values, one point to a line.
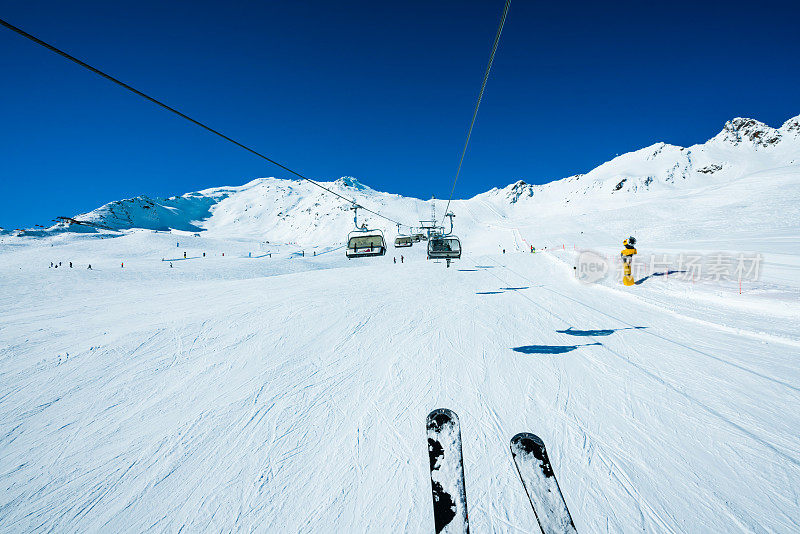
627	258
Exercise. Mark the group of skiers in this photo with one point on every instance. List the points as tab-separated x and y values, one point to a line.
54	265
394	259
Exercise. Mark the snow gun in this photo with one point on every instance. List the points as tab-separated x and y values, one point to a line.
627	258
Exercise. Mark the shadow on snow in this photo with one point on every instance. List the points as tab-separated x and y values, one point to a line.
641	280
550	349
591	333
502	289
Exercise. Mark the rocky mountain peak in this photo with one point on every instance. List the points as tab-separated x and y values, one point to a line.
350	182
741	130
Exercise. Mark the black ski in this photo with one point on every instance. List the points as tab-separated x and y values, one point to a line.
536	474
447	472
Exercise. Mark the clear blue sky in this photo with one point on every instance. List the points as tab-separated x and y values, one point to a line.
378	90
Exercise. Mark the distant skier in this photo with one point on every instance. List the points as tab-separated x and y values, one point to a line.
401	258
184	254
394	260
90	267
504	251
170	265
70	265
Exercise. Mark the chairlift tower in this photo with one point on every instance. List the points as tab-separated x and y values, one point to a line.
429	227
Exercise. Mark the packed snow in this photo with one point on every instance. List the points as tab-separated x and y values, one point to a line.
266	382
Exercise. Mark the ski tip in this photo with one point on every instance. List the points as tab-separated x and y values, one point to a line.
440	416
526	442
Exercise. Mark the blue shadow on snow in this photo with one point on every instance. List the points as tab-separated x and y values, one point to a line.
550	349
488	292
641	280
591	333
183	259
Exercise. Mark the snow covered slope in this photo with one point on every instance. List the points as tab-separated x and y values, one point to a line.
223	367
275	209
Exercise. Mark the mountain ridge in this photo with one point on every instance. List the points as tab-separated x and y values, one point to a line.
296	209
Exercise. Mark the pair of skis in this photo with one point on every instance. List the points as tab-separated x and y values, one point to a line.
447	478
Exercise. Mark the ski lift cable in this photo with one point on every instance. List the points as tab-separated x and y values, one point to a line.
478	103
182	115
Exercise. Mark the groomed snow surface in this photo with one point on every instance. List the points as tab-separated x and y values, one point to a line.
272	389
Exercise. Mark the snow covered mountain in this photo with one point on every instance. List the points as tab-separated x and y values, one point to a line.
742	147
745	167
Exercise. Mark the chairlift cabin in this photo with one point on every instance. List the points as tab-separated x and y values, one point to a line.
444	247
365	242
403	241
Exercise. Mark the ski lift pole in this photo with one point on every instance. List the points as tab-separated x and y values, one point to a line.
450	215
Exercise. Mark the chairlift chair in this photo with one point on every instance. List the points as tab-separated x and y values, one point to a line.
444	247
365	242
403	241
